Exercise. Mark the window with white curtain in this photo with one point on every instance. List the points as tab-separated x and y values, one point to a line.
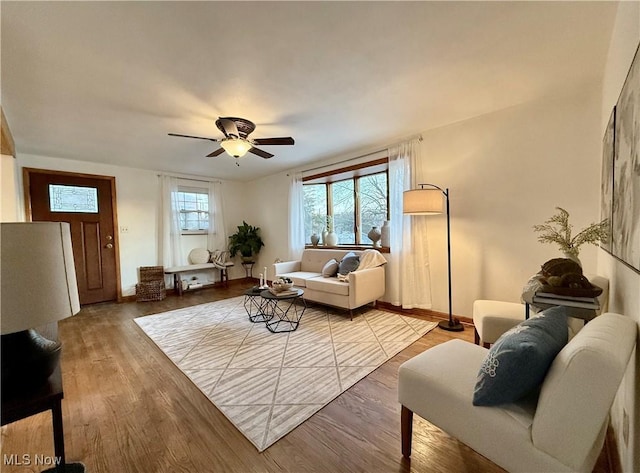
355	199
193	208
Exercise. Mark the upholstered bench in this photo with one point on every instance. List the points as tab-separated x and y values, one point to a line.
561	429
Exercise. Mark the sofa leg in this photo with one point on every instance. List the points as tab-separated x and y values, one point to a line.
476	336
406	427
351	314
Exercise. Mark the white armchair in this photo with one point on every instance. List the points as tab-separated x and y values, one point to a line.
563	430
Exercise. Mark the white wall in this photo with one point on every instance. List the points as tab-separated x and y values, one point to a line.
506	172
625	283
8	189
268	208
137	209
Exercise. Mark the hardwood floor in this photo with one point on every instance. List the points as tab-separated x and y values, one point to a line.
127	408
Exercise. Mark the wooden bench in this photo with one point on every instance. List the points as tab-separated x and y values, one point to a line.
177	271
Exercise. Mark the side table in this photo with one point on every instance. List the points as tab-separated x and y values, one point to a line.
254	305
21	404
284	317
49	396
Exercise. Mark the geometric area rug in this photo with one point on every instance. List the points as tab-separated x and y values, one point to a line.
267	383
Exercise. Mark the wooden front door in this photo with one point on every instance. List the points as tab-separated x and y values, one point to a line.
87	202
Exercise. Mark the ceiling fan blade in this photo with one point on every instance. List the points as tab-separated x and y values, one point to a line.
262	154
274	141
229	127
217	152
197	137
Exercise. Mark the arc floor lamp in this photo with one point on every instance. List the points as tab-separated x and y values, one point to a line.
433	200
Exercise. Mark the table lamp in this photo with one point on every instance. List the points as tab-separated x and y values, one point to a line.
433	200
38	287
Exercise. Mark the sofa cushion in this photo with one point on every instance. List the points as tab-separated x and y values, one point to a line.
315	259
300	278
330	269
518	362
331	285
349	263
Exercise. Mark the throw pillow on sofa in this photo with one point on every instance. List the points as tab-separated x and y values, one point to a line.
349	263
519	360
330	268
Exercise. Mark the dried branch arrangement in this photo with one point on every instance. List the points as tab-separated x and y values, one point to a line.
558	230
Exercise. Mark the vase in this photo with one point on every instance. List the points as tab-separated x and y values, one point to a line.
331	239
572	257
315	239
324	237
385	231
374	235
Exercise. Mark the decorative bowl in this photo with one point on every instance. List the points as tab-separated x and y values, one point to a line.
280	285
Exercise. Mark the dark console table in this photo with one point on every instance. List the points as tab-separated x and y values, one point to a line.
21	404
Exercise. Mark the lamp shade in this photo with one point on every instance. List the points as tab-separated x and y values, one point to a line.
423	202
236	147
37	275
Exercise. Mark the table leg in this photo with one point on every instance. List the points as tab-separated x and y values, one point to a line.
58	435
284	322
177	283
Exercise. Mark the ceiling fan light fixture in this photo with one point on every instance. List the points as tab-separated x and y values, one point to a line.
236	147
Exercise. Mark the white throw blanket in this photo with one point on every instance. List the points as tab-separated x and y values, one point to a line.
371	259
368	259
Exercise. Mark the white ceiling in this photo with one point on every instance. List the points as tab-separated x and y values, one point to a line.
106	81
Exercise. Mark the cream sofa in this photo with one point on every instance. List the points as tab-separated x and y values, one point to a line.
562	430
363	286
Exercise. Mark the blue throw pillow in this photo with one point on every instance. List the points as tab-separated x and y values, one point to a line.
349	263
519	360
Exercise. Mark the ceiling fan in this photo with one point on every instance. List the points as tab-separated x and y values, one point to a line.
236	141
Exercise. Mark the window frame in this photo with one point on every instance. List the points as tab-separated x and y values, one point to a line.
355	172
193	190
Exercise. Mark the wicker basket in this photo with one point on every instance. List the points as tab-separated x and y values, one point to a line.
151	286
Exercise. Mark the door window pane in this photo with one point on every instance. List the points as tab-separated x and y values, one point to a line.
73	199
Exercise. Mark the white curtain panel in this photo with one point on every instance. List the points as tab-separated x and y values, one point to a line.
408	277
296	219
217	234
169	247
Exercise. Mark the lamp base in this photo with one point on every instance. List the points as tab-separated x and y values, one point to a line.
28	359
452	326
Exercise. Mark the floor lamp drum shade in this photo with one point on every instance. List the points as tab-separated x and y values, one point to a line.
37	287
38	276
423	202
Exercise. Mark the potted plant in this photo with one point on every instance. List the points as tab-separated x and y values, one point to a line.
245	241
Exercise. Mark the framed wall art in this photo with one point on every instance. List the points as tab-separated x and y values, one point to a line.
606	183
625	243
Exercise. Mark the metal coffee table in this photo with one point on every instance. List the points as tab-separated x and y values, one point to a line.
283	311
254	304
